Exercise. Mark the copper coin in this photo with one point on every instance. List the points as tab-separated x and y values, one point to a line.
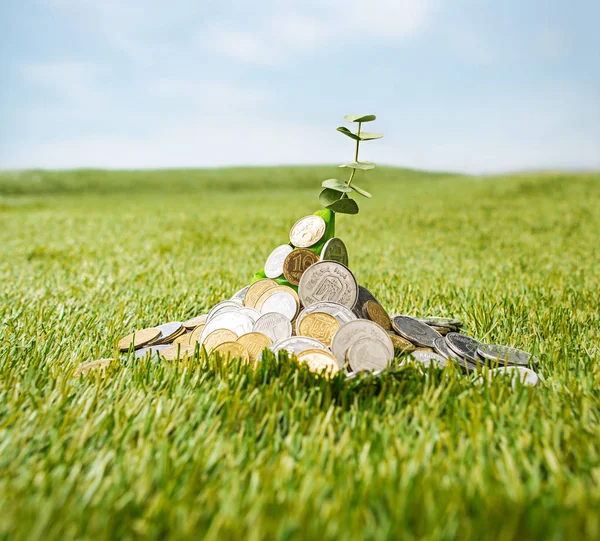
296	263
375	312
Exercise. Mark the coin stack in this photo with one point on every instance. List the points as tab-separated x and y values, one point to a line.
324	319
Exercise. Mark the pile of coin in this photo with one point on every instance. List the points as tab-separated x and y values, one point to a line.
329	322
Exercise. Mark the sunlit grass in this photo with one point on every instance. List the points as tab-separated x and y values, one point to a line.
149	449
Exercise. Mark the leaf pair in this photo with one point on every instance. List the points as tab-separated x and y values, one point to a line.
338	201
363	136
340	186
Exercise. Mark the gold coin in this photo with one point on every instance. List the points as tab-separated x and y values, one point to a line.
318	361
183	339
139	338
277	289
296	263
196	333
232	350
307	231
320	326
194	322
425	349
255	343
171	339
442	330
85	368
376	313
256	290
401	343
217	337
177	351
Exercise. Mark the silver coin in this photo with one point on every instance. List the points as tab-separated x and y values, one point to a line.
415	331
274	325
353	331
504	354
465	346
297	344
364	295
441	346
251	313
281	303
240	295
338	311
234	321
436	321
328	281
527	377
167	330
222	306
368	354
152	351
429	357
335	250
274	264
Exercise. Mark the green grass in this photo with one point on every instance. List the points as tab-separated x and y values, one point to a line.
197	448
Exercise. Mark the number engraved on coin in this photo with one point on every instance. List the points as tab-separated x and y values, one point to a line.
296	263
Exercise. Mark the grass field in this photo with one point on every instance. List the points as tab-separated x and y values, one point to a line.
229	452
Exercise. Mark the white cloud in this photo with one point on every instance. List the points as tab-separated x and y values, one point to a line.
290	30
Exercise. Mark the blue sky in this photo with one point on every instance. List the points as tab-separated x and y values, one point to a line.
466	85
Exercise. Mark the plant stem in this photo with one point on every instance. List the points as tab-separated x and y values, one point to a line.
355	156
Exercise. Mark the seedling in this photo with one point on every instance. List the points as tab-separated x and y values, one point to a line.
335	193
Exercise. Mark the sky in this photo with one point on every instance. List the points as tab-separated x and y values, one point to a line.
475	86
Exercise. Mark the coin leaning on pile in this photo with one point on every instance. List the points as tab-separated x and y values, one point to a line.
324	318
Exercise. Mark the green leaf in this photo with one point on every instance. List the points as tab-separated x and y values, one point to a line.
328	196
362	192
363	166
347	132
360	118
366	136
344	206
335	184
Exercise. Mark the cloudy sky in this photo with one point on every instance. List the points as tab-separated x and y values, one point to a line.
464	85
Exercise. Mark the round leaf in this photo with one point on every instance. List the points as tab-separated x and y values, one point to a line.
360	118
335	184
347	132
362	192
344	206
363	166
366	136
328	196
